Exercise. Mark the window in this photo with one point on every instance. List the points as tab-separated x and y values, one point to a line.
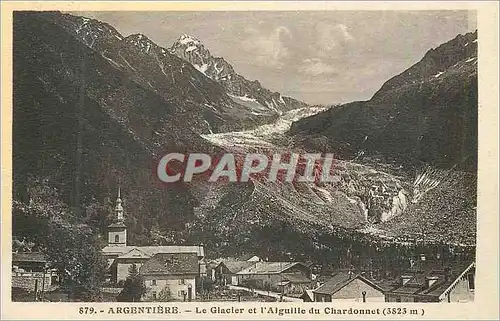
470	278
117	239
153	282
154	295
398	299
181	281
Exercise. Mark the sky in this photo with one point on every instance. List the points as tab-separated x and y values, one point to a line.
319	57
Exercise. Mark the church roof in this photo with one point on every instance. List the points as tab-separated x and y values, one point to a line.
117	224
171	263
152	250
135	253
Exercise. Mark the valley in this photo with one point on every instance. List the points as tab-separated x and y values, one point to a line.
94	109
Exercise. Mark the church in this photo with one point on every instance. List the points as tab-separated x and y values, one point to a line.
121	256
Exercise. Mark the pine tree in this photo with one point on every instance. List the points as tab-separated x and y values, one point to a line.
134	286
133	272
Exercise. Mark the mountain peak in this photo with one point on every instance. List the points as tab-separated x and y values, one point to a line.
186	39
141	41
241	90
188	44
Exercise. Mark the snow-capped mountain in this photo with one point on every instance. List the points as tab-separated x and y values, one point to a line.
241	90
203	103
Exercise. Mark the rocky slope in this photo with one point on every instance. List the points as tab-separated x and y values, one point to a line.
240	90
427	114
423	124
363	201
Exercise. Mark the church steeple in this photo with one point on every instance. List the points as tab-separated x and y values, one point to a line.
117	231
118	207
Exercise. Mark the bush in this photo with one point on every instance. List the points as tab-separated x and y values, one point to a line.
165	295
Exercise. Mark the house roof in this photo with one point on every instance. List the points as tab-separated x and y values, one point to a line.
308	294
152	250
417	285
268	267
170	263
247	257
237	266
340	280
29	257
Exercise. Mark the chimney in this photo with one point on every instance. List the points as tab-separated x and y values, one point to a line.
405	279
430	280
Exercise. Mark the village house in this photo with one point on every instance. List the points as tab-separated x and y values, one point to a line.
274	275
30	271
349	286
430	281
121	256
294	284
226	271
170	276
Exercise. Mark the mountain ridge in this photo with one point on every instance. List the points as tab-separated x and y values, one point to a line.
422	122
192	49
426	114
202	99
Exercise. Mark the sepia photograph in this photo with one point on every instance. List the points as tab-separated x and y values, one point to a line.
245	156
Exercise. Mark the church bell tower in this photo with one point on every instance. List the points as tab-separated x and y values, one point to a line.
117	231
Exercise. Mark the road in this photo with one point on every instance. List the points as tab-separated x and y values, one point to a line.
267	293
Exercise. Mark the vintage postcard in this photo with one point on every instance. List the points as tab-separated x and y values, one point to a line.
250	160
